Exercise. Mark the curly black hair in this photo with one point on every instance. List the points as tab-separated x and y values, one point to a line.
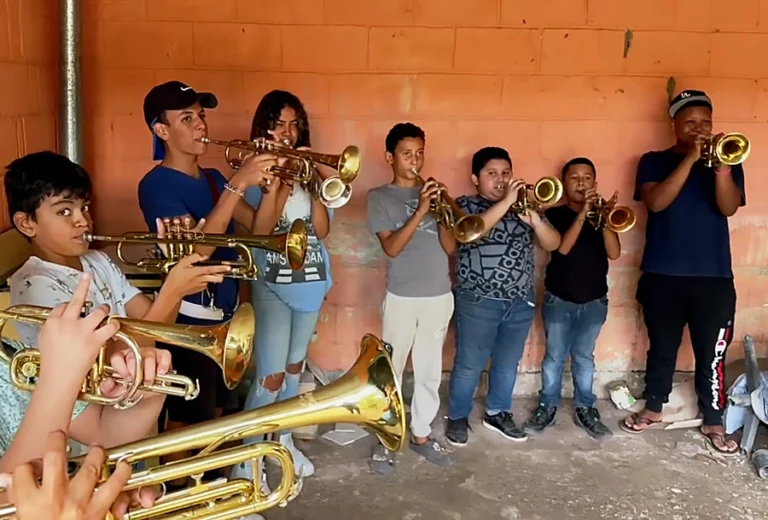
31	179
268	112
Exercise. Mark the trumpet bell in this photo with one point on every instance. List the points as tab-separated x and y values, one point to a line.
349	164
334	193
469	228
548	191
732	148
621	219
295	248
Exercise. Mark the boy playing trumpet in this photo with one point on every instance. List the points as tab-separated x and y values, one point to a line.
575	302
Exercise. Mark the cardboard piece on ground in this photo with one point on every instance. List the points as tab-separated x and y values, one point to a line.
345	434
682	409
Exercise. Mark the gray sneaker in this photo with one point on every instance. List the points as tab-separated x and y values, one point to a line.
435	453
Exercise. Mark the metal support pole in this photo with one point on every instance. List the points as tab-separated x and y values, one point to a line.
70	113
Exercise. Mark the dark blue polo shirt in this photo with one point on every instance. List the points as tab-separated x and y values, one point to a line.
165	192
690	237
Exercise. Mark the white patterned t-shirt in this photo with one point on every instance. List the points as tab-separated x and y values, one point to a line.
46	284
14	404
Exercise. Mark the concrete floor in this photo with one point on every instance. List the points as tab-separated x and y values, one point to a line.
560	474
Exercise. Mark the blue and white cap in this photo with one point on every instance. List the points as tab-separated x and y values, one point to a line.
173	95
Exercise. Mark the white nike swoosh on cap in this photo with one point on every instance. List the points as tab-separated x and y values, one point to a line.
184	89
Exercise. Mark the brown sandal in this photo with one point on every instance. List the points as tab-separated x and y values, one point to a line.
713	436
638	419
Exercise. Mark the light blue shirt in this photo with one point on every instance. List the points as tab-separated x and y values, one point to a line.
302	290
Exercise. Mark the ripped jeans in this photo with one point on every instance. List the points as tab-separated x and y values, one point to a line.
282	337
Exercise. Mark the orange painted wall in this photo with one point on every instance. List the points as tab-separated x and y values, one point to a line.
546	80
28	54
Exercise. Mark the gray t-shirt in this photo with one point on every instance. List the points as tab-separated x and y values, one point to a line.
421	268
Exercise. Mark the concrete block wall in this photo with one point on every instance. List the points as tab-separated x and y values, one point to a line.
28	75
546	80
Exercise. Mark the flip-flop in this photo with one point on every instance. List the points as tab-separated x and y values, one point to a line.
638	419
712	436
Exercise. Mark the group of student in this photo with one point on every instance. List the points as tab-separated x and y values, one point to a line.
687	279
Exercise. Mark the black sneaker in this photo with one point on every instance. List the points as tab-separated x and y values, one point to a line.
543	416
502	423
456	431
589	419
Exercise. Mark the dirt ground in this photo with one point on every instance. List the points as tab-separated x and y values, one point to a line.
560	474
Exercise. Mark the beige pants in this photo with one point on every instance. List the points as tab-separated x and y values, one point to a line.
418	326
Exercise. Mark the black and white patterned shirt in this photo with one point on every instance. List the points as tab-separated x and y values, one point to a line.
501	264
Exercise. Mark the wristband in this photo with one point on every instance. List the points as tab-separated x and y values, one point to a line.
723	171
234	190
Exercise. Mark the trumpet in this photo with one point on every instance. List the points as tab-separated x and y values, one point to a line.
333	192
229	344
727	149
465	228
368	394
618	219
546	192
181	242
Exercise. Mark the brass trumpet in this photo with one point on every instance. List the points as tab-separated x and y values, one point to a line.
229	344
546	192
618	219
368	394
728	149
333	192
292	244
465	228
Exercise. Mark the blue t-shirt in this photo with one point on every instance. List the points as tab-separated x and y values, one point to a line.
302	290
500	265
165	192
690	237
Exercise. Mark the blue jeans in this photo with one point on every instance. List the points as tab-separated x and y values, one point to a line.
488	328
570	328
282	338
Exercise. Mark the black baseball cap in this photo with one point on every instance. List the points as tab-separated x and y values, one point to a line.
173	95
689	98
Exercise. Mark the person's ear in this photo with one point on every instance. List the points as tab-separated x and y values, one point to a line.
25	224
161	131
389	158
475	180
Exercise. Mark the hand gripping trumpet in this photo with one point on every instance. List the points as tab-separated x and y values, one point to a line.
181	242
618	219
725	149
228	344
368	394
465	228
546	192
333	192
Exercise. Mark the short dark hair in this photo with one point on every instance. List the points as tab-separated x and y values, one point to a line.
268	112
485	155
33	178
402	131
574	162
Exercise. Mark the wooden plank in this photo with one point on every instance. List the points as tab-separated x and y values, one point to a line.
15	250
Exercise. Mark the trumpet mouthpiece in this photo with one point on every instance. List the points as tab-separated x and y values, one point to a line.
205	140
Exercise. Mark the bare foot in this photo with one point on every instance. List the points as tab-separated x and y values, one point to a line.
716	437
641	421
